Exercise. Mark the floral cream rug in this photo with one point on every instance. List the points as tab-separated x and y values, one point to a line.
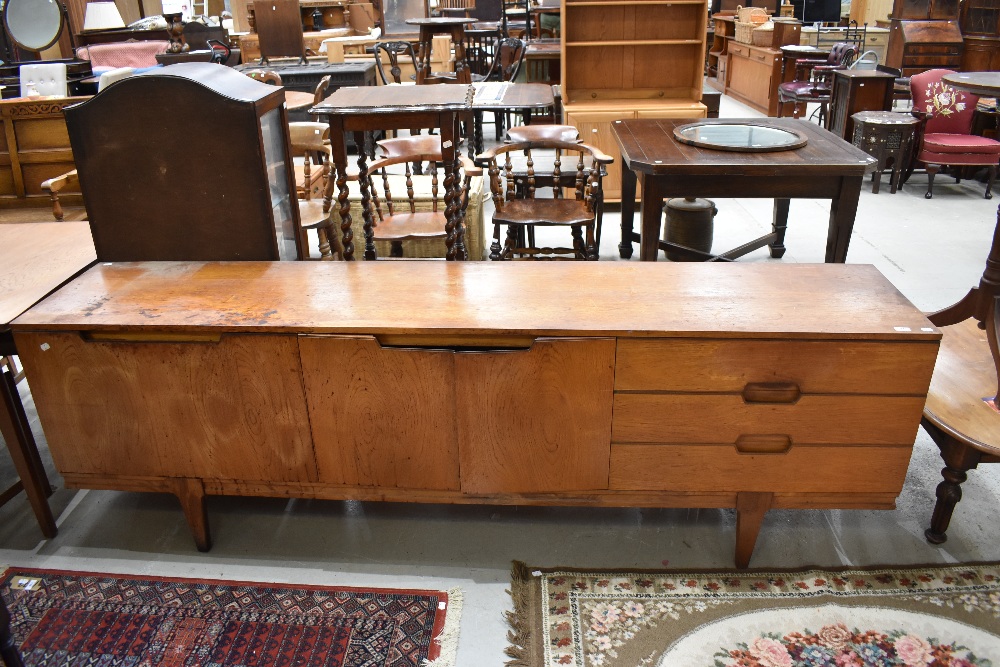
936	616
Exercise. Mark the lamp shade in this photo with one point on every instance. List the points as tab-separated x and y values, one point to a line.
102	16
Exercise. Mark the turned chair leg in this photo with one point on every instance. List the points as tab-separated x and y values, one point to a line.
958	460
990	175
932	170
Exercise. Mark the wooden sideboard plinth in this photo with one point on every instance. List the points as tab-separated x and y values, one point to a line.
659	385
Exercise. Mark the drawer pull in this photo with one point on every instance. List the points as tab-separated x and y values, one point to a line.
771	392
461	343
148	337
763	444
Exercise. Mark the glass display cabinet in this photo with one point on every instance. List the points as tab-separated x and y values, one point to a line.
187	162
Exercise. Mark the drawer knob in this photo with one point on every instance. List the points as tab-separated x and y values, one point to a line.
763	444
771	392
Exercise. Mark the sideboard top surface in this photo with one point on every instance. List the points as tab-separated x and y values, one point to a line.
540	299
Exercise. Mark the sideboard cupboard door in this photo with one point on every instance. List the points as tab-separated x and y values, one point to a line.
381	416
536	420
178	406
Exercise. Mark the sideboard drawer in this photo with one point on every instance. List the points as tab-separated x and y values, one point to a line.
737	49
802	469
724	418
830	367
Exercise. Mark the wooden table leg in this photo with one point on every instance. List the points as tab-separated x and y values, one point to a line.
366	214
461	252
751	506
779	224
24	452
462	72
628	211
448	152
843	210
191	494
424	54
652	217
8	647
338	148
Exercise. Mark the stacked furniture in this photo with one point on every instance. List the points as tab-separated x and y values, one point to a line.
630	59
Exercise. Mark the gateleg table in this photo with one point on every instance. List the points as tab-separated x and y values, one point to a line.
827	167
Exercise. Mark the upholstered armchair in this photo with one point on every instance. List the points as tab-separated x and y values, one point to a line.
945	136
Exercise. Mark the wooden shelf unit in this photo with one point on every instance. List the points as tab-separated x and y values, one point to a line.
630	59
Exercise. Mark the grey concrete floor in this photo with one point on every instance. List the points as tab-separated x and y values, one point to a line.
933	251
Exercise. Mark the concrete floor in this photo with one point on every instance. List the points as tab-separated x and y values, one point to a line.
933	251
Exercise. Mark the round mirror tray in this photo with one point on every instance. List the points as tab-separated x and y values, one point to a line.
741	136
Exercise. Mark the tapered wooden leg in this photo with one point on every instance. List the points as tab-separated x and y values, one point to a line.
8	649
191	493
628	212
990	175
932	170
751	506
843	211
24	453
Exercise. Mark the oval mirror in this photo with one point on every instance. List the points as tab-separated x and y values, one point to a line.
34	25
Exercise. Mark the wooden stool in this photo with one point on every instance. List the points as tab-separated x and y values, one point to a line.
888	137
455	27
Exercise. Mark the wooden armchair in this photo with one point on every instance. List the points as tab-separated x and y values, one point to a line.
961	413
392	207
522	210
311	141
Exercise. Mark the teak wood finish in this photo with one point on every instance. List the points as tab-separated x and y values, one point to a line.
35	259
827	167
147	377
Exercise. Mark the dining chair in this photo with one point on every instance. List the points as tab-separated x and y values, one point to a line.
813	81
944	136
310	140
392	51
518	210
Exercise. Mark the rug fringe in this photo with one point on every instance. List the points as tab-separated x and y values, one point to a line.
519	633
448	639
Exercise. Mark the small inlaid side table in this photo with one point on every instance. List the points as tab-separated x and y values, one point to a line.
455	27
888	137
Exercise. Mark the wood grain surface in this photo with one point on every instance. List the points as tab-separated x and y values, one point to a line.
37	257
536	420
232	409
814	366
635	300
963	376
381	416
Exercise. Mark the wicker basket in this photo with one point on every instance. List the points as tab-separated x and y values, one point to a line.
748	18
763	35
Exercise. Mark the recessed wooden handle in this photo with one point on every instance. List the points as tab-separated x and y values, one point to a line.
763	444
771	392
468	343
148	337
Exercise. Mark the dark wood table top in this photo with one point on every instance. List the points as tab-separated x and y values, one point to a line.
649	147
855	300
396	99
37	257
544	46
977	83
518	96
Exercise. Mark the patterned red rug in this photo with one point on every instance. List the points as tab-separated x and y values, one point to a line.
81	618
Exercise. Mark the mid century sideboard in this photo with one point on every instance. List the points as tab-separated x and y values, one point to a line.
604	384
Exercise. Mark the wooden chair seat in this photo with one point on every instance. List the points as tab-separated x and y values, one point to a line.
964	375
544	212
419	225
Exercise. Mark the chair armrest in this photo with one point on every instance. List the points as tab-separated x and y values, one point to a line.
55	186
470	167
599	155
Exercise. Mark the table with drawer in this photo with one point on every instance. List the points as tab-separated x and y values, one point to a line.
642	385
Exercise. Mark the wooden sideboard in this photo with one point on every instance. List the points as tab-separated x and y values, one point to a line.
659	385
34	147
753	76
